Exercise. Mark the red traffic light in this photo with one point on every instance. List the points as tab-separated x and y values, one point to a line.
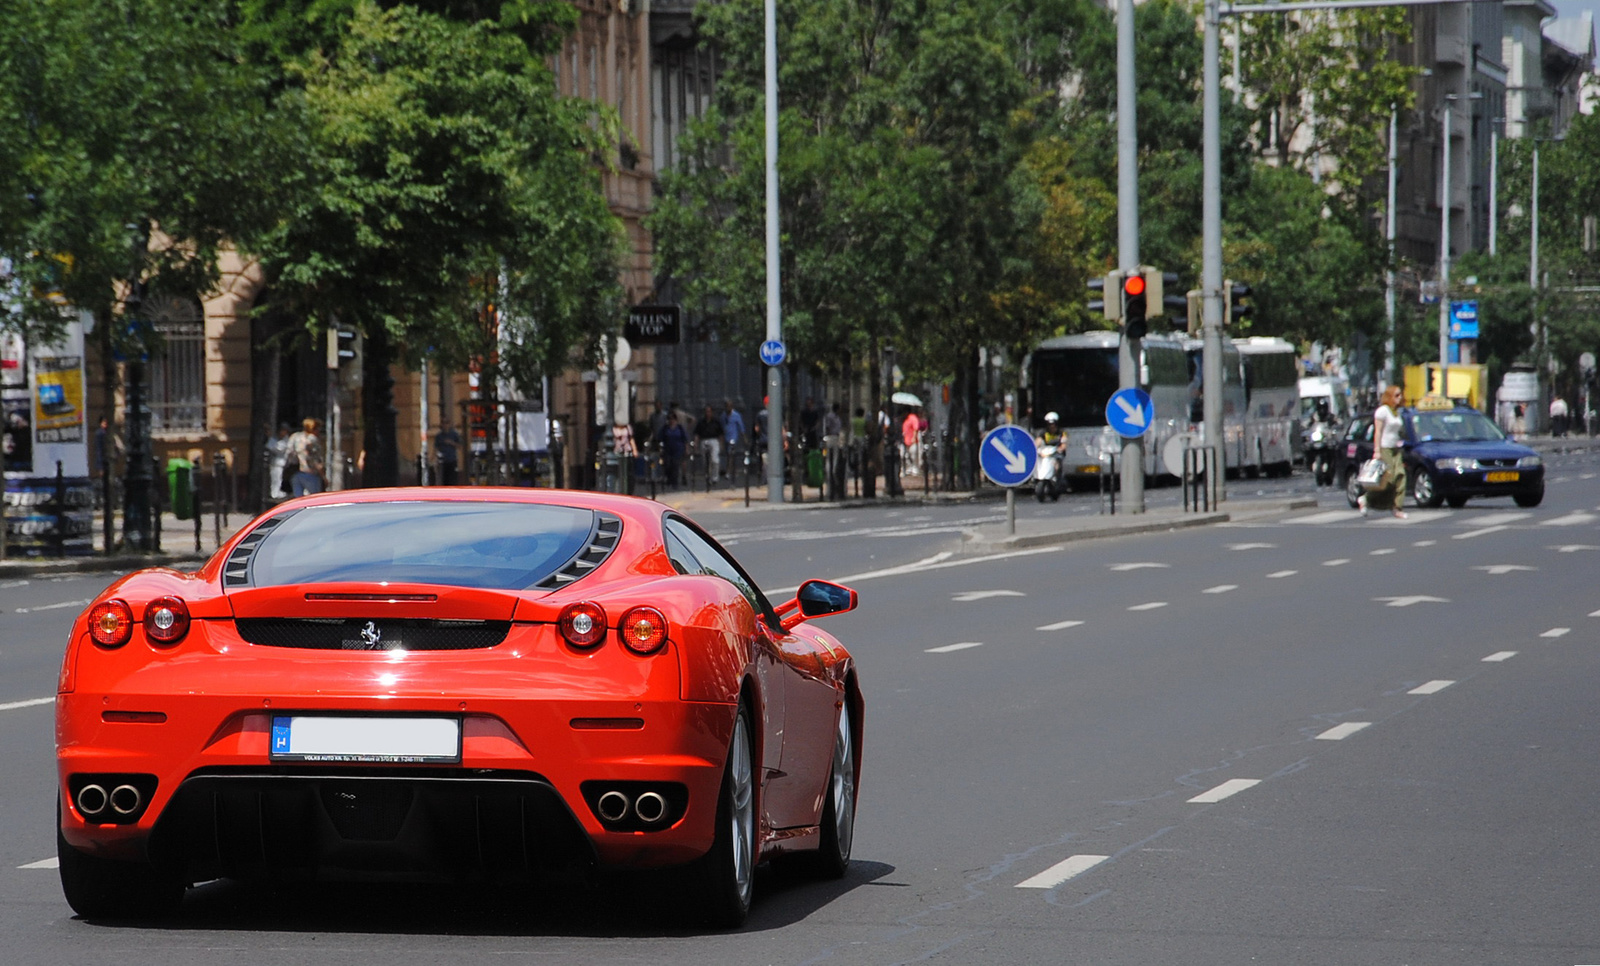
1133	285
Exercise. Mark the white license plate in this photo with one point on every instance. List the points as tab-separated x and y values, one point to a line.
378	739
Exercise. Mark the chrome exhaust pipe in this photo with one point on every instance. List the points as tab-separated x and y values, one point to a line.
91	800
125	799
612	806
650	807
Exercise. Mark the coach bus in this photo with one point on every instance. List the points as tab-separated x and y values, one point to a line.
1272	411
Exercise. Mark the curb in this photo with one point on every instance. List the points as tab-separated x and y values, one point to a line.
123	563
977	541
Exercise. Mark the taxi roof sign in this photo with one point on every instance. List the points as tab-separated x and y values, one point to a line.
1434	402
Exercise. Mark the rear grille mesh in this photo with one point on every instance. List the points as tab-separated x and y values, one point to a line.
362	634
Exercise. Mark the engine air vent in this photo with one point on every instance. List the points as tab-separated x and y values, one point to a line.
236	571
603	540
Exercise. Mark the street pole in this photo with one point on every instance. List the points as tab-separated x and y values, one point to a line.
774	313
1444	259
1389	232
1128	238
1211	250
1494	184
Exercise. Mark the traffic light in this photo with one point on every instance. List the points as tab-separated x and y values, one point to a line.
341	347
1134	294
1232	293
1196	311
1111	307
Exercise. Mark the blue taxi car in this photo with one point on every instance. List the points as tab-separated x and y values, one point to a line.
1451	455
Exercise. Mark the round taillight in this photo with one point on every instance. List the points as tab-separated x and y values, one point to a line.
110	623
583	624
643	630
166	620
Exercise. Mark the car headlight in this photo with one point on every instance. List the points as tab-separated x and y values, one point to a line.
1316	435
1530	461
1458	464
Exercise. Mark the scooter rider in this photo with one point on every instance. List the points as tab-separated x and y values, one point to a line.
1052	434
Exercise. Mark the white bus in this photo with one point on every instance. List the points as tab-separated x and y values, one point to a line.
1233	400
1272	412
1075	377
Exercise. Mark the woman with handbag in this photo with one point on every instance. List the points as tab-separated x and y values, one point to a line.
1390	493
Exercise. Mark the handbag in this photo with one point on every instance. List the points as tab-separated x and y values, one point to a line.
1371	472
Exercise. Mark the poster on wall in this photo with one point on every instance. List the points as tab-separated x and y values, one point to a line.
58	392
49	498
16	406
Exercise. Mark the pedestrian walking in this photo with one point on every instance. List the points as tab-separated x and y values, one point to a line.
708	436
674	441
305	458
277	456
1558	416
1391	493
732	431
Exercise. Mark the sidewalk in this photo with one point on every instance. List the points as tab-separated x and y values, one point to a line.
177	546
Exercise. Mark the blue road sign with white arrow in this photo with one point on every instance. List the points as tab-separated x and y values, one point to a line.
773	352
1130	412
1008	455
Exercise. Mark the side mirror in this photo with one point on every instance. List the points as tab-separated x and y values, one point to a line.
817	598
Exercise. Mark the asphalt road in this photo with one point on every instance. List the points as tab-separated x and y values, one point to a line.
1390	726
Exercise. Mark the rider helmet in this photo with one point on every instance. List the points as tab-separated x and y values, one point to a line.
1052	417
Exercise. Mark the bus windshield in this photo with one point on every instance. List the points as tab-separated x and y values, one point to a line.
1074	383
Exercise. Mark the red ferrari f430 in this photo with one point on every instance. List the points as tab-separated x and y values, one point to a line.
454	685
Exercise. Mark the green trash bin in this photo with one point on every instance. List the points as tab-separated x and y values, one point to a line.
180	488
814	468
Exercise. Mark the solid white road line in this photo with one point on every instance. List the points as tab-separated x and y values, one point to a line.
65	603
30	703
1499	656
1432	687
1232	786
1557	632
1058	626
1341	732
939	561
50	863
1153	605
1275	575
1495	519
967	596
1062	871
1220	589
1336	562
946	649
1577	519
1478	533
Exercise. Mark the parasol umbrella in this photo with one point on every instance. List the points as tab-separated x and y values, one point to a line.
905	399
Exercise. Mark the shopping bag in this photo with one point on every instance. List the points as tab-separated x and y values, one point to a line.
1371	473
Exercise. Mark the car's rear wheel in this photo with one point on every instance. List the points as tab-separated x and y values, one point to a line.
724	878
99	888
832	859
1530	499
1352	489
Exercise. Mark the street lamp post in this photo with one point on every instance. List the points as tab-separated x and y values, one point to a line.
1444	246
1541	335
136	522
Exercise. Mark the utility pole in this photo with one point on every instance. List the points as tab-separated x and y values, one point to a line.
1128	238
1211	249
1389	231
774	308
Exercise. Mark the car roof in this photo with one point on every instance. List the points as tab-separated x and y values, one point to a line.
633	508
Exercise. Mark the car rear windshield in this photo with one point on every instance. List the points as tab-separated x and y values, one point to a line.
505	546
1455	426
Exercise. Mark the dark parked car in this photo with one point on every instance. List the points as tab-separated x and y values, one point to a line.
1451	455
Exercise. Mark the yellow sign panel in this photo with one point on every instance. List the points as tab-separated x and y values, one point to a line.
58	399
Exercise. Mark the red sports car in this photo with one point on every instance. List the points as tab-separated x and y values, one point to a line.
453	684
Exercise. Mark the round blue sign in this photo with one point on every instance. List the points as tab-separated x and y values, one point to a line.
1008	455
773	352
1130	412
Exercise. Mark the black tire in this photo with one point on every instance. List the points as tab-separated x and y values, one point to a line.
1425	490
99	888
1039	492
832	858
1352	489
722	882
1455	502
1530	499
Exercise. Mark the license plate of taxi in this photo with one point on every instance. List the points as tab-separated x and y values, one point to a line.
365	738
1505	476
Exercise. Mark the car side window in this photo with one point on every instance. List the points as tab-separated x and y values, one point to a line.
713	560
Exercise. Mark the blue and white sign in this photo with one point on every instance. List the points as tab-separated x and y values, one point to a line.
1130	412
1008	455
773	352
1464	320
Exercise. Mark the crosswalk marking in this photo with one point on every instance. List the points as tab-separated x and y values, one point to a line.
1327	516
1577	519
1495	519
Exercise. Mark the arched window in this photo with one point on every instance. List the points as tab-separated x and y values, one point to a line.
177	394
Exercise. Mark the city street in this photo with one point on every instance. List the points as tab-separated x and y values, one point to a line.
1302	738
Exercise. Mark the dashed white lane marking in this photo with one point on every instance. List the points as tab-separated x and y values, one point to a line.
1576	519
1062	871
1557	632
1123	568
939	561
1220	589
1328	516
50	863
1424	543
1500	570
1432	687
1341	732
947	648
65	603
1586	476
7	585
1058	626
1594	613
1153	605
1382	552
967	596
1252	546
30	703
1499	656
1279	574
1572	547
1413	599
1479	533
1496	519
1336	562
1232	786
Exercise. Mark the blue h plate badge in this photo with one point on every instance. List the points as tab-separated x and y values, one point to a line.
280	736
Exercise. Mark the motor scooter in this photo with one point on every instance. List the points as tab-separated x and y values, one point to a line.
1323	441
1047	474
